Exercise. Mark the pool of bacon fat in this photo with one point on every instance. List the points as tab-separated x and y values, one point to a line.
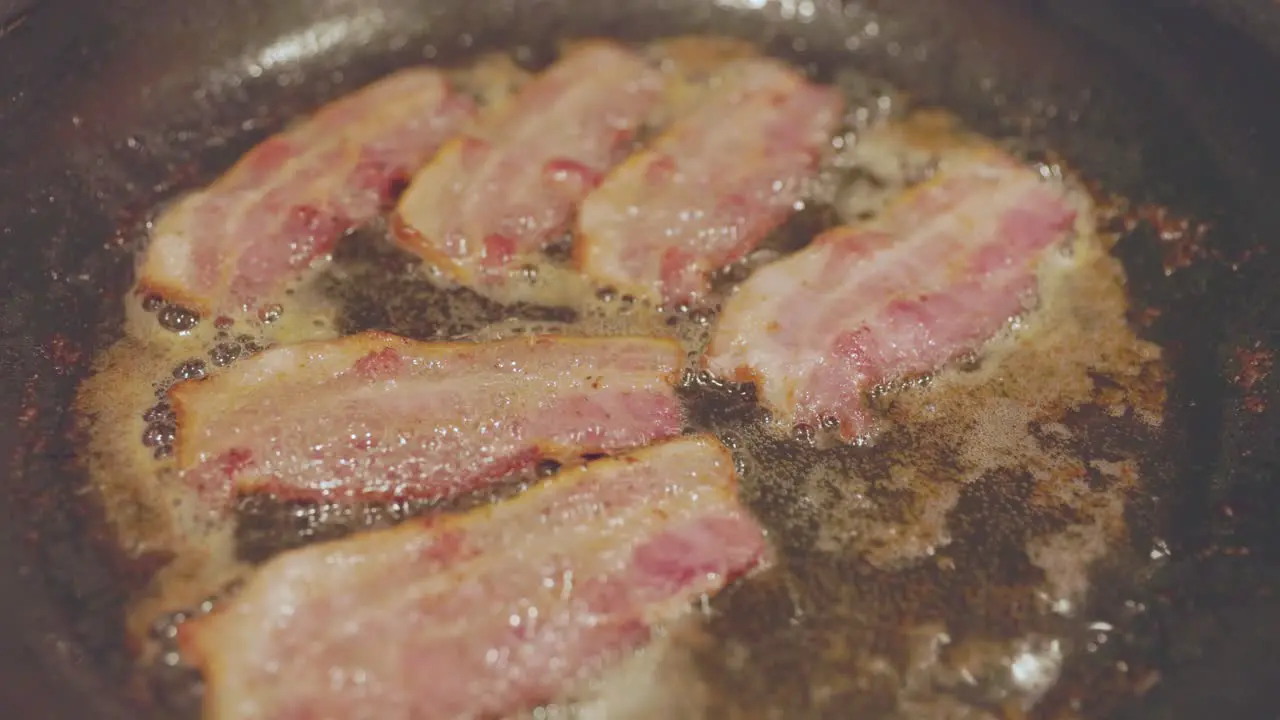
914	413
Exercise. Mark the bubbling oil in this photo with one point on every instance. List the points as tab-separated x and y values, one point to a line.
989	474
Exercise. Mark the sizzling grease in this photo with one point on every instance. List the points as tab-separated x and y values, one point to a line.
1000	483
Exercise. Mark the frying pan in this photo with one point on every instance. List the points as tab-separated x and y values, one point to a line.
108	107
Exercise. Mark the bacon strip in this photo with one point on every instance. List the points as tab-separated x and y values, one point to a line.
487	613
712	187
376	416
287	202
940	272
503	191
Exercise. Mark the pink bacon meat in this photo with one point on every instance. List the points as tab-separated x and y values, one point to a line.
484	614
232	246
501	192
376	416
940	272
712	187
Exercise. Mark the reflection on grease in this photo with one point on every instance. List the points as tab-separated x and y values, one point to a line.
318	39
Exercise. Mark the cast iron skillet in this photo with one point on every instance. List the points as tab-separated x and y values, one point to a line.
107	106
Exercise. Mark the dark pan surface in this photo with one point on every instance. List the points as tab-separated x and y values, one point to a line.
109	107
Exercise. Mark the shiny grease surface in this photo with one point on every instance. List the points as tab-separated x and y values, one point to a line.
940	570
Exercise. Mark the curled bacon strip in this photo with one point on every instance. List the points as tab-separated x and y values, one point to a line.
506	188
484	614
231	246
940	272
376	416
712	187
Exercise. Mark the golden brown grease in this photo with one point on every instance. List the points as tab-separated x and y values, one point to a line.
145	501
967	426
964	427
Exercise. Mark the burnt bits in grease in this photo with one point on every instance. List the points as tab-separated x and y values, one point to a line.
956	546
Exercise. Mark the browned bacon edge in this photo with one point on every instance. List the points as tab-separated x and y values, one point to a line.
410	238
340	356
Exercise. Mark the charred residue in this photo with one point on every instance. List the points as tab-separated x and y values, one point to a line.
380	287
912	571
